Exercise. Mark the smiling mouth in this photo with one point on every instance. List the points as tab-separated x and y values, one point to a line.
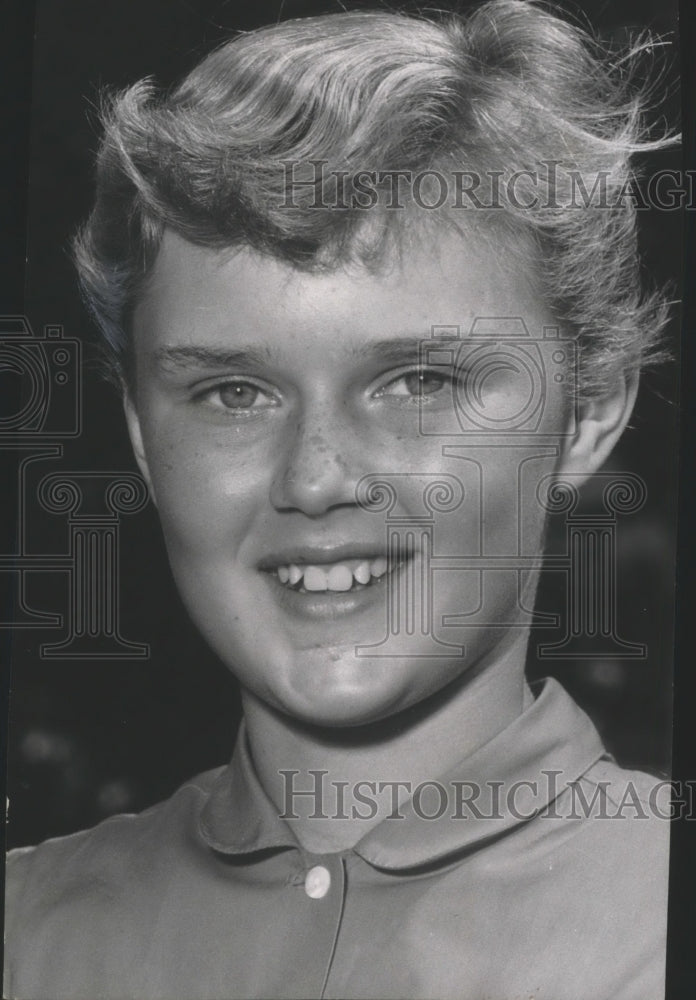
349	575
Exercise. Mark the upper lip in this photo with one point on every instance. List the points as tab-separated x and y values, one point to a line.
318	555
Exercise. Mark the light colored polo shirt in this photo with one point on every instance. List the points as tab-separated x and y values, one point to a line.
556	890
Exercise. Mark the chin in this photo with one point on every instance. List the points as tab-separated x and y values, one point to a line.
338	702
342	711
339	715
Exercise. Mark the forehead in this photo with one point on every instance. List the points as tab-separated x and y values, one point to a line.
198	294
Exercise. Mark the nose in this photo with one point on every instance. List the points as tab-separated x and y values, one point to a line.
315	471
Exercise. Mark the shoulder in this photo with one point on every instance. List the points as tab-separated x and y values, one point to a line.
88	868
603	857
620	819
636	802
125	831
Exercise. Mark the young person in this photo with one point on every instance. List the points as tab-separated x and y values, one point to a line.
370	286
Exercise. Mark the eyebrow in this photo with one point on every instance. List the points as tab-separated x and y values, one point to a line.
400	349
186	357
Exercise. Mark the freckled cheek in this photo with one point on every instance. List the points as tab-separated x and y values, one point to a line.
207	498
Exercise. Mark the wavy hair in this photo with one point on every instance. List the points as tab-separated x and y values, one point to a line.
510	87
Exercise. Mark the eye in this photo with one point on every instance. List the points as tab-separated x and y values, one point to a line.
416	384
236	396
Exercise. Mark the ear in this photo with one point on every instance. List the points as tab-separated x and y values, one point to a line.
136	436
600	422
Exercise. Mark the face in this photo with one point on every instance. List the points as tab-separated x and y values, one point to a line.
265	396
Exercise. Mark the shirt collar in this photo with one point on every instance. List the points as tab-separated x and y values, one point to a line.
550	745
238	817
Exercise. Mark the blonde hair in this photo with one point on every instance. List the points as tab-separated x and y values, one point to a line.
510	87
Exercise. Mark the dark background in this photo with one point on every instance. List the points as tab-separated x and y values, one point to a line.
94	737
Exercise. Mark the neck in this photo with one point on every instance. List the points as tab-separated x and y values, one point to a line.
420	744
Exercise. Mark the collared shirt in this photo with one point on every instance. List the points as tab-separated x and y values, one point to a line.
542	874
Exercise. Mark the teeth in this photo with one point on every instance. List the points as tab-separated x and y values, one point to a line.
315	578
339	577
378	567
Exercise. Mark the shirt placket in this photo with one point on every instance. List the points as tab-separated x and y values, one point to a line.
320	885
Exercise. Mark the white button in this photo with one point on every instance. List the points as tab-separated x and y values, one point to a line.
317	882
